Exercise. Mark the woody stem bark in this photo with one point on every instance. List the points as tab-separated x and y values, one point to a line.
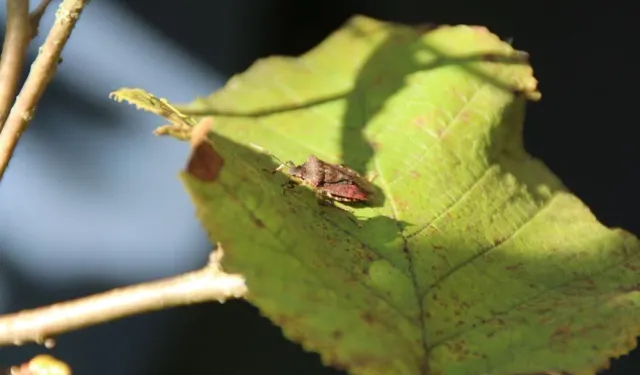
42	71
38	325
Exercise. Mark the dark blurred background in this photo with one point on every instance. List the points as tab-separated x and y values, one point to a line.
92	199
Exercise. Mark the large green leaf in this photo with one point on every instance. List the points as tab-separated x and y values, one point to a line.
475	259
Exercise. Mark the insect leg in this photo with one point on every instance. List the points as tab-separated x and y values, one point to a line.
289	184
281	166
324	201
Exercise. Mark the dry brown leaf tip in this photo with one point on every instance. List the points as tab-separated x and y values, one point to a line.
204	162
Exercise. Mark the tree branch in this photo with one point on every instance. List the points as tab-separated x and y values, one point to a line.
14	51
207	284
42	71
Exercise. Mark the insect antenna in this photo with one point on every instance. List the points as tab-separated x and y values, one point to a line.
268	153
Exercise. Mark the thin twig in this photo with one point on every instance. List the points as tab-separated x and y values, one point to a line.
36	15
38	325
14	51
42	71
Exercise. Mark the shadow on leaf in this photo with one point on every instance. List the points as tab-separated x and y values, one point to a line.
206	163
401	50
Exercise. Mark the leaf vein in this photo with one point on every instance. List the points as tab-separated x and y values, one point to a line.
539	295
286	248
423	328
488	249
450	123
468	191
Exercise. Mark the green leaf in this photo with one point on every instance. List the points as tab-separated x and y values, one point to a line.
476	259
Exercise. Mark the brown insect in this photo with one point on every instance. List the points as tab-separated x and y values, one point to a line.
331	182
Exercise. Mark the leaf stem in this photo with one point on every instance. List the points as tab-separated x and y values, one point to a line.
42	71
38	325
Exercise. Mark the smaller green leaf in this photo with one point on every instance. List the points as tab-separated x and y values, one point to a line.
181	124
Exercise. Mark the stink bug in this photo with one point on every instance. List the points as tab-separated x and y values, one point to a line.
331	182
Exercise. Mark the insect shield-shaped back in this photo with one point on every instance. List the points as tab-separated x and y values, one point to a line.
333	181
312	172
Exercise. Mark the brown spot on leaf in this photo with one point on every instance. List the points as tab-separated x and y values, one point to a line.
480	29
204	162
631	288
258	223
464	116
514	267
499	240
560	333
419	121
378	80
489	257
458	346
631	267
426	27
589	284
368	318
